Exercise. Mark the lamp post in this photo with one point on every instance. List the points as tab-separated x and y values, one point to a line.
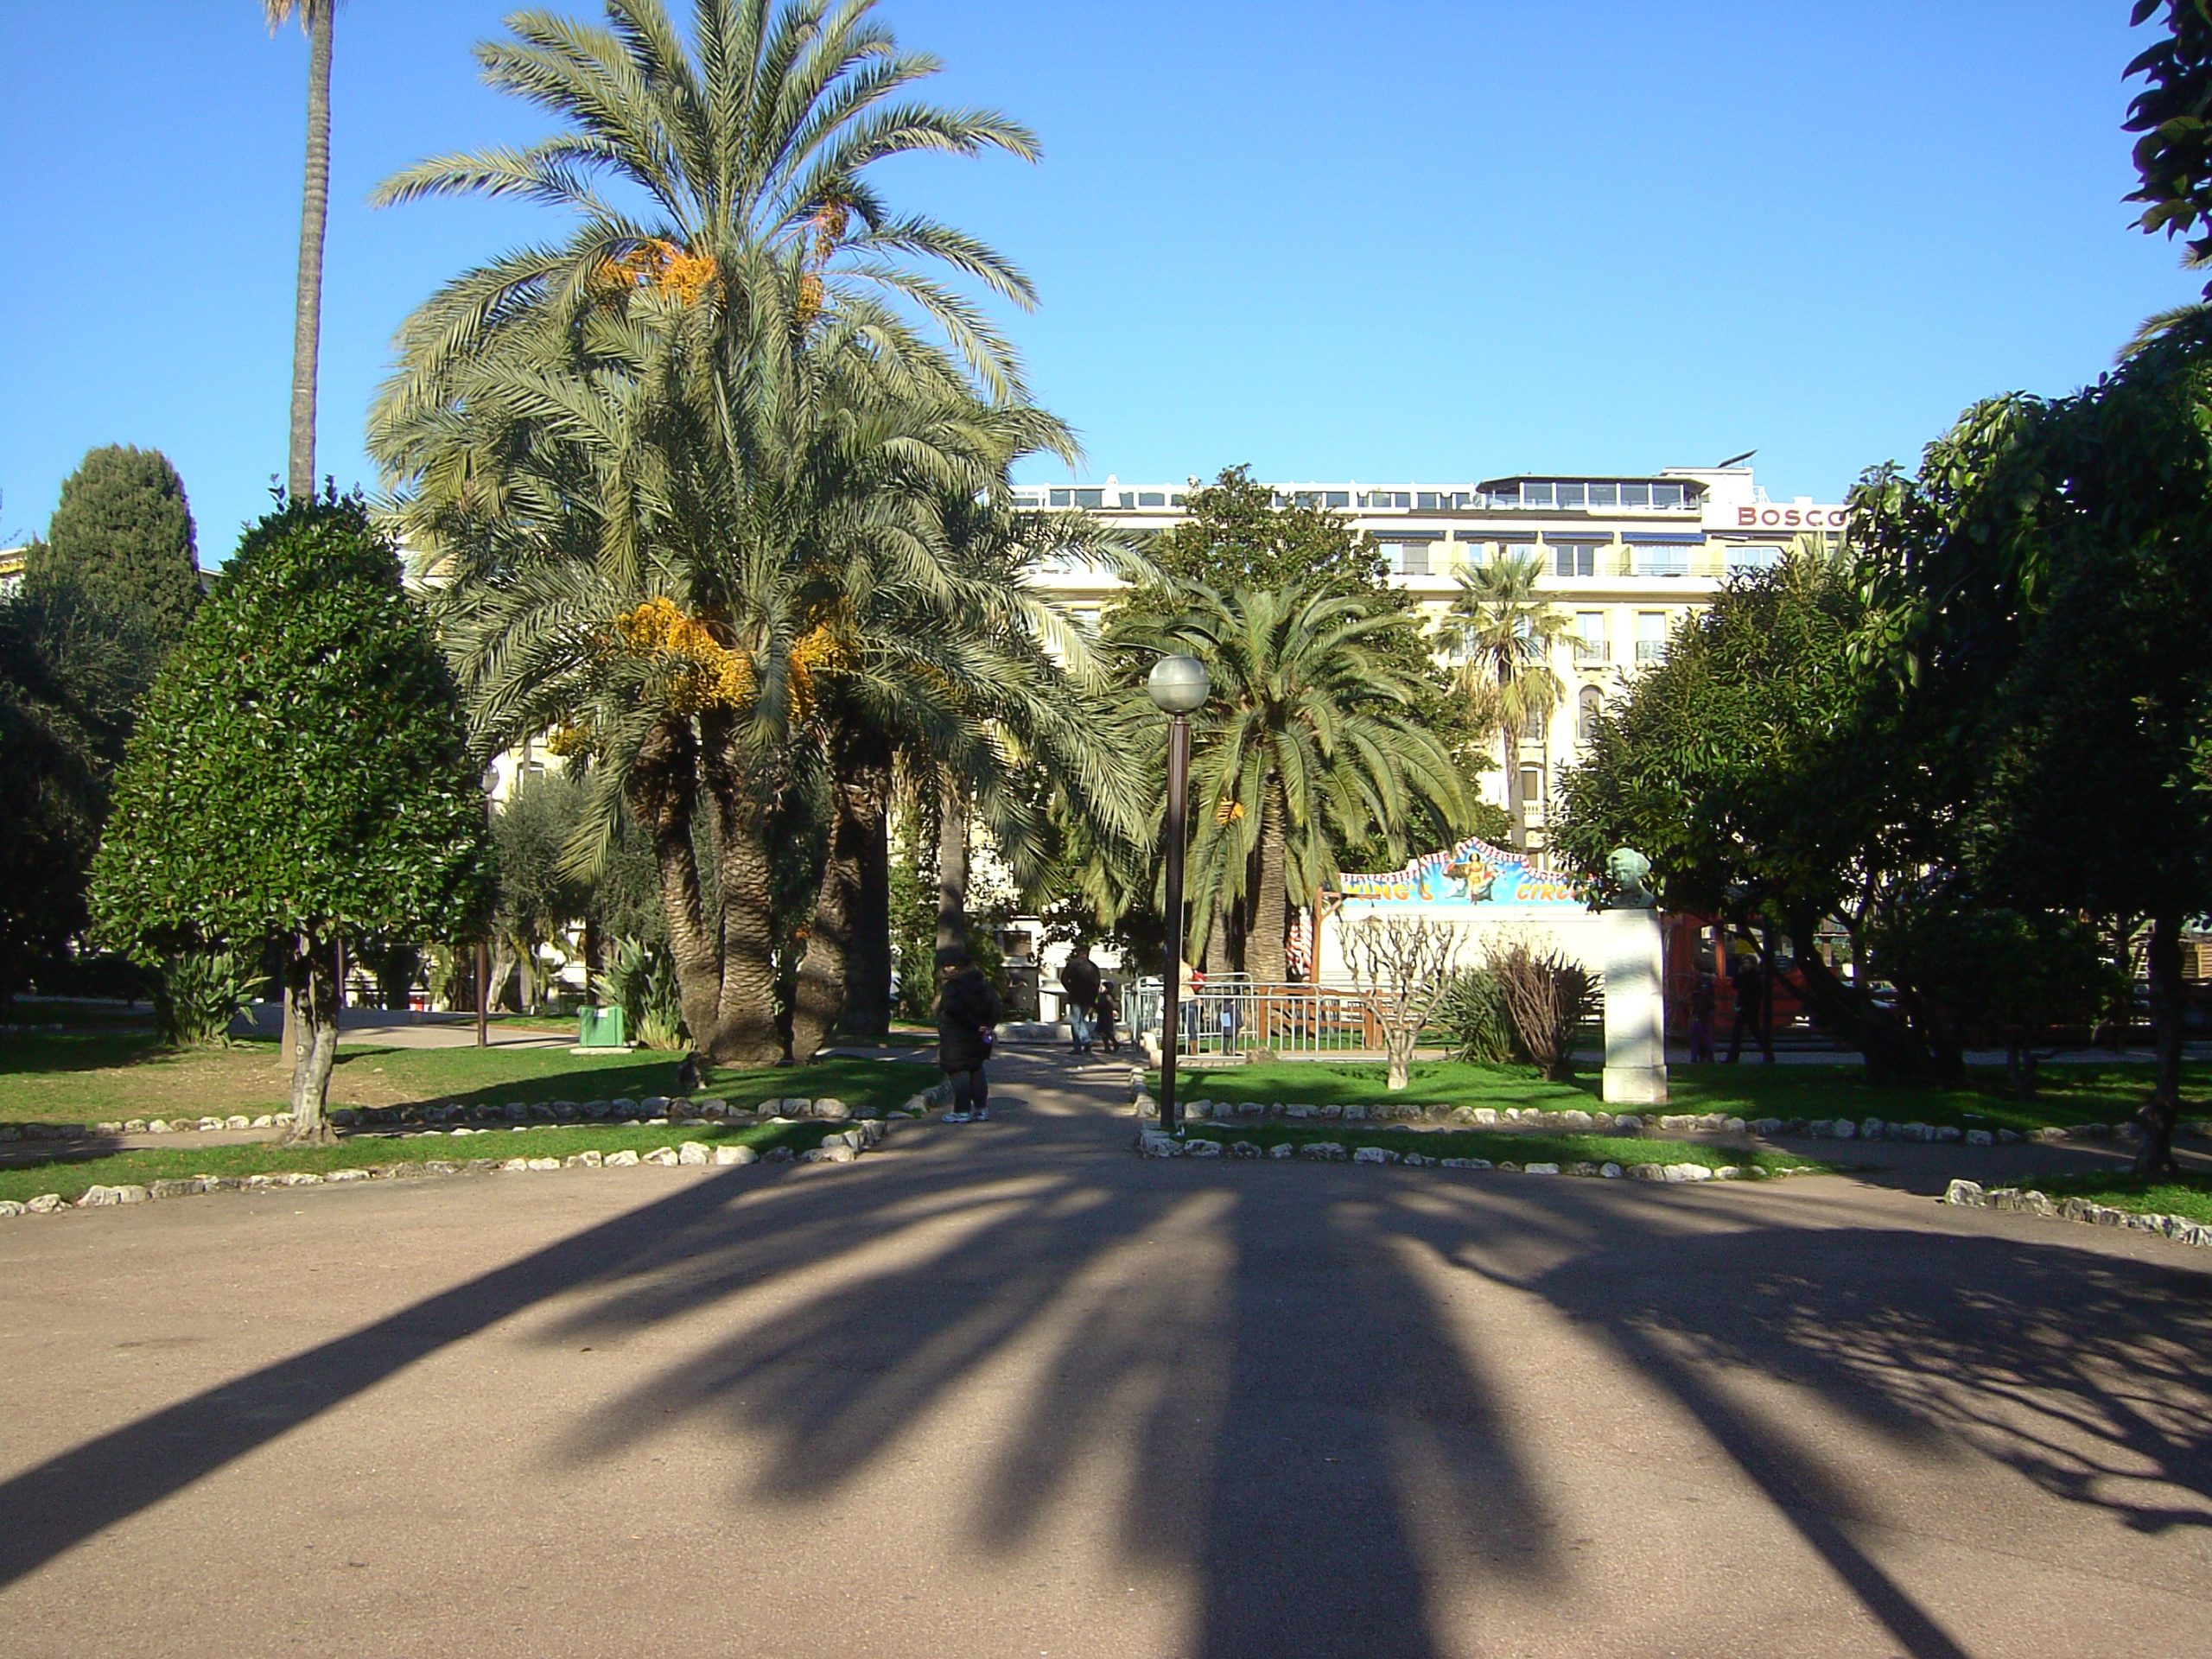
483	946
1177	685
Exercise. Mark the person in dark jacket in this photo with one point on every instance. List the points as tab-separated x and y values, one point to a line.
1747	977
967	1010
1080	978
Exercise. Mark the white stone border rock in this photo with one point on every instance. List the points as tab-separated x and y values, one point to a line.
515	1114
840	1147
1573	1120
1152	1143
2028	1201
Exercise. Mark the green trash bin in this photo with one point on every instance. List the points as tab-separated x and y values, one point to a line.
600	1028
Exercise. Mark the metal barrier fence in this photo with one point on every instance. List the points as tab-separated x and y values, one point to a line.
1230	1014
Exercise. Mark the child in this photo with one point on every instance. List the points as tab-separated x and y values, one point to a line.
1107	1007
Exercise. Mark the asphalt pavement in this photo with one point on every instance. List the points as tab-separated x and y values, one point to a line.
1005	1389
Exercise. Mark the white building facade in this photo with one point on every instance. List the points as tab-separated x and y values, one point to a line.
1625	559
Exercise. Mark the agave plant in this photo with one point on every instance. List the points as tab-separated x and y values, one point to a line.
640	980
198	993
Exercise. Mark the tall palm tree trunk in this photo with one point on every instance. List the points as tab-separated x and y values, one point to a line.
831	944
952	866
1264	949
1216	960
663	788
868	974
743	1031
1515	808
314	212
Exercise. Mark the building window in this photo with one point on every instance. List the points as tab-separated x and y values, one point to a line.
1532	725
1636	495
1572	495
1152	498
1574	559
1605	495
1523	550
1667	495
1532	784
1587	708
1753	558
1386	499
1336	499
1590	638
1063	498
1090	497
1658	559
1535	495
1650	636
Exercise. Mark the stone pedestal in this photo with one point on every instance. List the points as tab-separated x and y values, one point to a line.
1635	1009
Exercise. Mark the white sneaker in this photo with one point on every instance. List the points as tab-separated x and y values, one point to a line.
981	1115
958	1117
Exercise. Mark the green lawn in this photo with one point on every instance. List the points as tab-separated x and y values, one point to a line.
111	1076
2190	1196
70	1173
1499	1145
2071	1094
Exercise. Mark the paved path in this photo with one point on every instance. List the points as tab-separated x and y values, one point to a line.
1005	1390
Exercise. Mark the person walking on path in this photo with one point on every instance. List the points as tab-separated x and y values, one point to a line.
1748	978
1704	999
968	1009
1080	978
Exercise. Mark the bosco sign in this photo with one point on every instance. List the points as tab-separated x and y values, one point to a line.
1765	516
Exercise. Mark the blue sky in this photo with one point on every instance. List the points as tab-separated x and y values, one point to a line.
1406	240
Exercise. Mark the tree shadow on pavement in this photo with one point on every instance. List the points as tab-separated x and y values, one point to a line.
1299	1419
2083	1373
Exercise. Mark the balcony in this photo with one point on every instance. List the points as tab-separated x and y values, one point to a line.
1589	654
1650	651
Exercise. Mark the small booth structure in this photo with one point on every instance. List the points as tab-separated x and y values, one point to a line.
1481	891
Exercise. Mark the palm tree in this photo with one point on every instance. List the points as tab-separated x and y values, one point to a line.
675	472
995	696
760	148
1308	742
1503	633
315	17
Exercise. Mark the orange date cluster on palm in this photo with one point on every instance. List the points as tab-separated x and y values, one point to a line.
662	266
700	672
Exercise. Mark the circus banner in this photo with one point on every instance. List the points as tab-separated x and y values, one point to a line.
1472	873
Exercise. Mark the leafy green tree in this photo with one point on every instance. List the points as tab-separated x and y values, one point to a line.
1503	631
2050	601
1236	535
1310	739
1998	975
316	17
122	534
1763	770
2173	113
300	770
540	897
70	670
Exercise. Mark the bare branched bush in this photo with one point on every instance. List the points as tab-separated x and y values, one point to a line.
1547	995
1402	967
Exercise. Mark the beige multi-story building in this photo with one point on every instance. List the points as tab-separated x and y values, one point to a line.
1624	559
